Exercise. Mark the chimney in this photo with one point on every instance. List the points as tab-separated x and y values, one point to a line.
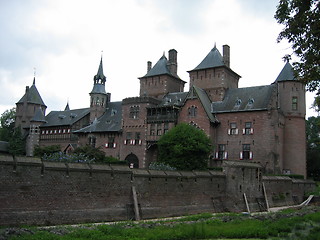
27	89
172	63
226	55
149	66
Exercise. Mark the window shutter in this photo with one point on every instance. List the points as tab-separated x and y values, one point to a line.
106	145
251	130
237	131
241	155
125	142
114	145
140	142
225	155
243	131
229	131
217	155
250	155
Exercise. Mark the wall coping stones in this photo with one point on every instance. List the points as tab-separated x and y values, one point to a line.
304	181
217	173
157	173
100	168
140	172
28	161
120	168
276	178
6	159
172	174
202	173
187	174
78	167
59	166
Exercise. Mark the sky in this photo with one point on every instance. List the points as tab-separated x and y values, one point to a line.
60	42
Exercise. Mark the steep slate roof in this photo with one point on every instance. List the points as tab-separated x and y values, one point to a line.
99	86
38	116
110	121
245	99
62	118
286	73
32	96
173	99
213	59
160	68
204	99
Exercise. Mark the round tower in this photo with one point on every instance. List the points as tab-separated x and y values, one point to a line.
292	105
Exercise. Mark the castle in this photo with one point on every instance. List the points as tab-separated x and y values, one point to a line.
261	124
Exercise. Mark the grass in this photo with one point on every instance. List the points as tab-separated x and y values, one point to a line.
202	226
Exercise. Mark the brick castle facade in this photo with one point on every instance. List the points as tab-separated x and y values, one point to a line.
260	124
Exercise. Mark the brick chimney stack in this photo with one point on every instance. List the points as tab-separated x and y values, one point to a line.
149	66
226	55
172	63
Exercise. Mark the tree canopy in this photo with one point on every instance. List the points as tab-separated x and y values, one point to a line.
7	121
301	20
313	147
184	147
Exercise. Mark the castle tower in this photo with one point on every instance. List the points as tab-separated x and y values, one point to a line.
162	78
27	106
292	106
214	74
98	96
34	131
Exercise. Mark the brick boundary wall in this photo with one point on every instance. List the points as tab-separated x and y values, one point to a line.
33	192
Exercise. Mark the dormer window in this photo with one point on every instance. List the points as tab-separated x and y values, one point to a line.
238	103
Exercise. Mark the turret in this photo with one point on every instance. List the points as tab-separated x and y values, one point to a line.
98	96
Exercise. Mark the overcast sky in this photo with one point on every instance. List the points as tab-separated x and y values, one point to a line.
64	39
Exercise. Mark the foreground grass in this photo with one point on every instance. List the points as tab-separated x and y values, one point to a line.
206	226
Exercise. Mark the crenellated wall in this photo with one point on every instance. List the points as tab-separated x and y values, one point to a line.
33	192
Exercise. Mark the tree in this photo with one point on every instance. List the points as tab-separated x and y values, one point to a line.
7	121
46	150
17	144
313	147
301	20
184	147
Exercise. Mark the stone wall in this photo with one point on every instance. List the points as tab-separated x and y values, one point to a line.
33	192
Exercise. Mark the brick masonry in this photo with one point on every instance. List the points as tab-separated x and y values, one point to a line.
33	192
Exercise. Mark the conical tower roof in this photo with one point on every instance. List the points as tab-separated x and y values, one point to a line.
32	95
286	73
213	59
99	81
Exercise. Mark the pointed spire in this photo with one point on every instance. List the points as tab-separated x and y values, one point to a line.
215	44
34	76
34	81
100	75
67	108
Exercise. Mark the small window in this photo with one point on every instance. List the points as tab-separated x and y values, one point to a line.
248	128
294	103
246	154
233	129
92	141
222	154
134	112
159	129
166	128
192	111
152	129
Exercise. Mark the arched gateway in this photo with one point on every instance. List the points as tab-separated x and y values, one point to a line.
132	160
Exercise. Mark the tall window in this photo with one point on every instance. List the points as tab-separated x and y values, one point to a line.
159	129
233	129
134	112
111	143
222	154
294	103
192	111
246	154
248	128
137	138
166	127
92	141
152	129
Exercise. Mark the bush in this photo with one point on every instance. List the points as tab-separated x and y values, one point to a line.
160	166
47	150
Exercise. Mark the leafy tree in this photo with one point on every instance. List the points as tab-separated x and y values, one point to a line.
184	147
301	20
313	147
7	121
46	150
91	152
17	144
